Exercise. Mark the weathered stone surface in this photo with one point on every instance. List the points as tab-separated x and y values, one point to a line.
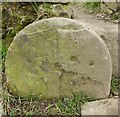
100	107
107	30
58	57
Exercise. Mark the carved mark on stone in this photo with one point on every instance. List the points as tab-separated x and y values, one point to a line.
58	66
73	58
91	80
92	63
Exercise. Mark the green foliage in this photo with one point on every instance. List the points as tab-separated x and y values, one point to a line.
48	9
4	52
92	5
65	106
12	113
47	6
114	16
114	83
35	6
95	7
15	17
71	106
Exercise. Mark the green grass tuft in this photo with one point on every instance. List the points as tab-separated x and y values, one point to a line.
114	83
95	7
71	106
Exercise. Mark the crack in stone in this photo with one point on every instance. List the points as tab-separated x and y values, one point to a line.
91	80
63	71
36	32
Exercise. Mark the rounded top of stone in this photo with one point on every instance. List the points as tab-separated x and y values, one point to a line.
60	23
56	54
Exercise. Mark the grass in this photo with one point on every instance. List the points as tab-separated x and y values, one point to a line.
45	11
64	106
3	52
35	6
114	84
114	16
93	6
15	19
71	106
